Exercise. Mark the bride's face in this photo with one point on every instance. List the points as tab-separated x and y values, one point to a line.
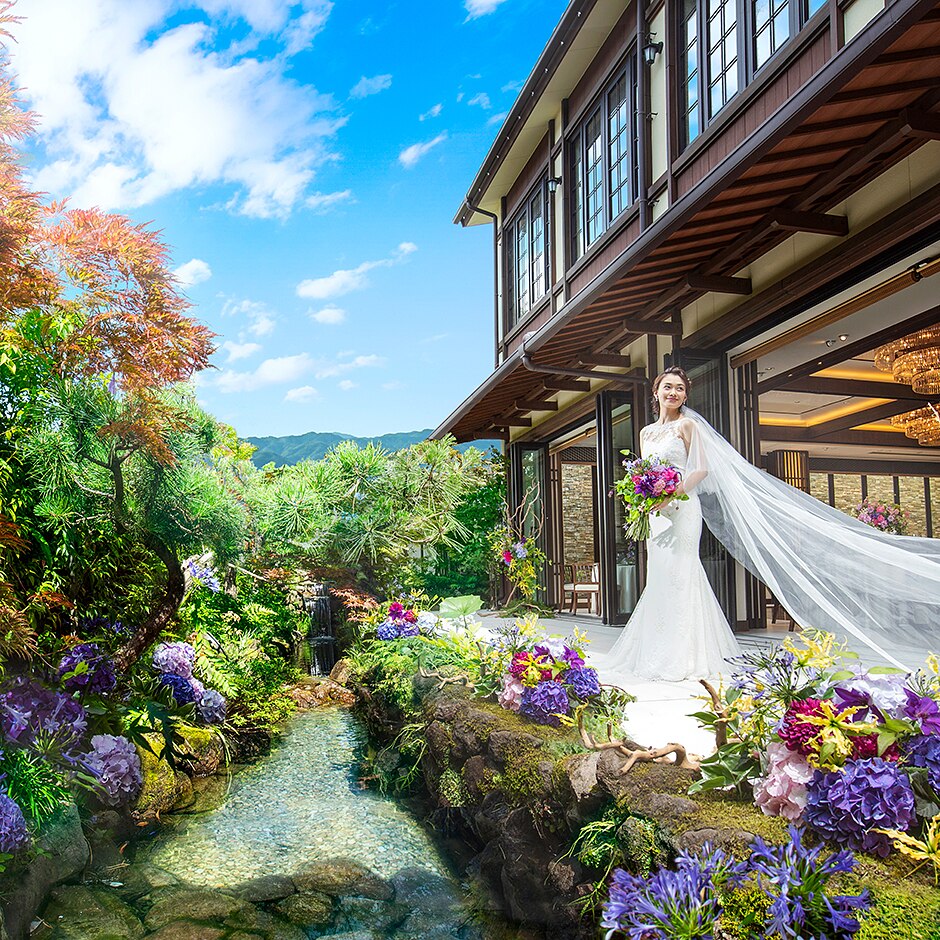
671	394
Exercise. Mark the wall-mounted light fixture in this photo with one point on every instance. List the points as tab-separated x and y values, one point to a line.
651	49
553	183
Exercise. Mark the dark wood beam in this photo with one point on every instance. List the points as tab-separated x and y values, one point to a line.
849	421
854	388
535	404
718	284
604	359
848	350
903	56
516	421
921	124
567	385
854	120
820	223
656	327
882	91
791	435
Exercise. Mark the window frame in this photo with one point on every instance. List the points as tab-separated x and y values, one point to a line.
523	216
581	219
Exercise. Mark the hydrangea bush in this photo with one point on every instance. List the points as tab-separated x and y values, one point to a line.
115	763
85	668
175	662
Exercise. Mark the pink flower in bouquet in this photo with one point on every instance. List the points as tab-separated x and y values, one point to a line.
396	610
866	745
783	791
519	664
511	695
507	557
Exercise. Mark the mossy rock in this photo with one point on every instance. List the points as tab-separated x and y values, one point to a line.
163	787
77	912
188	930
196	903
911	913
307	909
204	750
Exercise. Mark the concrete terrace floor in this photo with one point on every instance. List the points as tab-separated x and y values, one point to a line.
661	713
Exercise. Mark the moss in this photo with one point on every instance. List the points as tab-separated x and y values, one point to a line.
898	913
162	786
744	914
728	814
522	778
643	845
451	789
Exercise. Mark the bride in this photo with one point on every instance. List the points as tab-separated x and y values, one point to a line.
677	630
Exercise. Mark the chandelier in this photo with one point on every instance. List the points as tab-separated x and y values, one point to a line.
922	424
914	360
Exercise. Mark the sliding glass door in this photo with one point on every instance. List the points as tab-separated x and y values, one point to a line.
530	502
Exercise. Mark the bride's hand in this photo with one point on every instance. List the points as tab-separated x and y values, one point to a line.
662	504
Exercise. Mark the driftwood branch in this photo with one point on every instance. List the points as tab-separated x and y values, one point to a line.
445	680
721	710
633	752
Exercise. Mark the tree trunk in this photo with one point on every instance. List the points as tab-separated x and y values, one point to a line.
163	613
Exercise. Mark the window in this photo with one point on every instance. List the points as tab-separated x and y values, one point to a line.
724	43
602	161
527	256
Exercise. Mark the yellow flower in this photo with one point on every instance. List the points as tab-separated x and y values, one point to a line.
832	744
819	649
926	851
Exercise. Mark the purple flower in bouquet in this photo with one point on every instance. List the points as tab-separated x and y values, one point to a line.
212	707
519	550
396	610
182	689
116	764
544	702
782	792
924	710
29	711
409	627
882	696
14	836
510	696
175	658
924	751
572	658
387	630
86	668
846	806
584	682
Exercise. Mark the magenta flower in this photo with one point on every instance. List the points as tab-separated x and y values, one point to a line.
396	610
507	556
796	733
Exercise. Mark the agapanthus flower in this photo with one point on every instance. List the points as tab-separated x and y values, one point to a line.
583	681
544	701
85	668
212	707
182	688
924	751
14	836
510	696
794	731
204	575
924	710
782	791
519	550
175	658
847	806
29	711
116	764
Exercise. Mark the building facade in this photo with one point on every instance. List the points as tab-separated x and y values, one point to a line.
747	188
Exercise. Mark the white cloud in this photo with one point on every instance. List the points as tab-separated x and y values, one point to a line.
515	85
347	385
345	281
193	272
261	321
482	99
133	110
303	395
332	369
477	8
238	351
277	371
370	86
411	155
432	112
322	202
392	386
331	315
497	118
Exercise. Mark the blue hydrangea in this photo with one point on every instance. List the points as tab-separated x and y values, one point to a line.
584	682
86	668
116	764
175	658
14	836
847	806
182	689
387	630
544	702
924	751
212	707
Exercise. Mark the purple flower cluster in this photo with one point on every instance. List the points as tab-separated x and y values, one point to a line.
14	836
85	668
204	575
544	702
882	516
30	711
924	751
584	682
175	658
116	764
182	689
211	707
175	661
92	625
924	711
846	807
399	622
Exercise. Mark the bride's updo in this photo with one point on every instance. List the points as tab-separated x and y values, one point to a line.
672	370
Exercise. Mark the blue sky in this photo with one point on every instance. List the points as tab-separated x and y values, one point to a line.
304	161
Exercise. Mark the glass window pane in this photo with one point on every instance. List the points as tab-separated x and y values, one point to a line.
537	247
577	201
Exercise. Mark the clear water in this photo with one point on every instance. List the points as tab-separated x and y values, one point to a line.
301	803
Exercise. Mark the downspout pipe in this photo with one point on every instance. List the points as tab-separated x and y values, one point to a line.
643	116
615	377
495	218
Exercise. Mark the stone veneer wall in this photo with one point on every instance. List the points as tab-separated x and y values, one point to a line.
577	505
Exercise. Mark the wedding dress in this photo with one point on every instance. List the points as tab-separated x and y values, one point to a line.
678	629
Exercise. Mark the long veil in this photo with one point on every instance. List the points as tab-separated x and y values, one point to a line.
829	570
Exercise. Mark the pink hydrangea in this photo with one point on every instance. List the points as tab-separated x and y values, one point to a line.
511	695
783	791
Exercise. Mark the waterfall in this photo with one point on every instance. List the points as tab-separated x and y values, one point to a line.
321	641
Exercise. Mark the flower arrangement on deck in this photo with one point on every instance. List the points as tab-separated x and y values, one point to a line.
522	561
852	754
886	517
647	483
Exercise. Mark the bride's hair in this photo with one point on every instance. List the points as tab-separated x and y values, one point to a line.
672	370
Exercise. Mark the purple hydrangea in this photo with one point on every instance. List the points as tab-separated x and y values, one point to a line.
175	658
86	668
847	806
211	707
387	630
116	764
182	689
924	751
584	682
14	836
29	711
544	702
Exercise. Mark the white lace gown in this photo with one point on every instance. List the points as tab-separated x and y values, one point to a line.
678	629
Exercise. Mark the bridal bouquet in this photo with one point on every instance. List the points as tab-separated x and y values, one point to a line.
648	481
884	516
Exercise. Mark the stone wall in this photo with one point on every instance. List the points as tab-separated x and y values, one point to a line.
577	504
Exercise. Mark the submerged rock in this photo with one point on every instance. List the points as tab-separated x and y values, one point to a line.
376	915
188	930
266	888
78	912
195	904
308	909
135	881
343	877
